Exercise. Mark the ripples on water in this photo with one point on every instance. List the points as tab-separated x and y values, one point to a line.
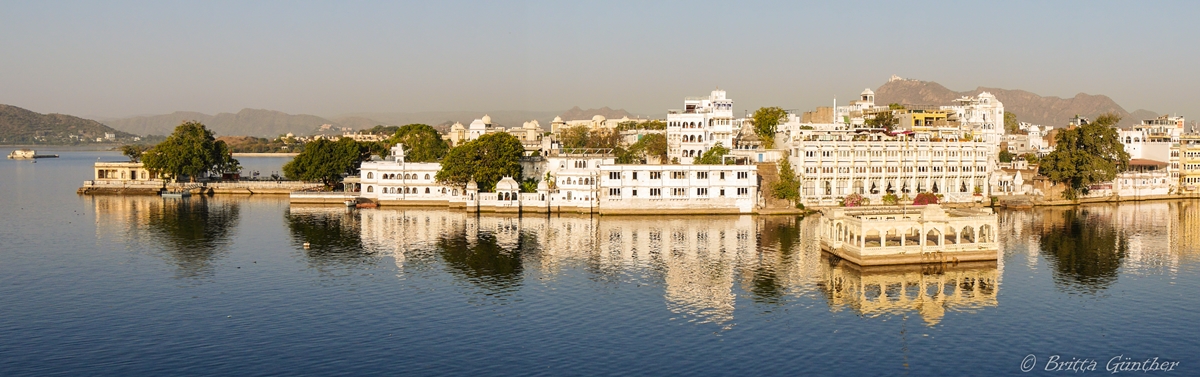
224	285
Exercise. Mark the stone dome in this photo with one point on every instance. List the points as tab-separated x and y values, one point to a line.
868	91
472	186
486	119
507	184
557	119
457	126
542	186
478	124
598	118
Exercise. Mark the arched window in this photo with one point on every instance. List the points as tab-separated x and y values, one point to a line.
370	175
426	190
370	188
427	177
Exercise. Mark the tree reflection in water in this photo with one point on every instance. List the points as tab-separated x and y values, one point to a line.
195	232
1084	248
488	259
779	238
334	237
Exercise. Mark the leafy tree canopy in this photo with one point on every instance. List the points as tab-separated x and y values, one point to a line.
788	186
1005	156
766	119
134	151
486	160
885	120
327	161
1011	125
574	137
190	151
650	148
422	143
1086	155
713	156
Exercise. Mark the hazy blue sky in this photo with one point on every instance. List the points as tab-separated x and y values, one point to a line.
115	58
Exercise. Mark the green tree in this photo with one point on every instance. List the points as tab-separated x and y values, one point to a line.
134	152
1011	125
190	151
713	156
648	147
885	120
766	119
895	106
422	142
1031	158
1086	155
1005	156
486	160
327	161
788	186
603	138
574	137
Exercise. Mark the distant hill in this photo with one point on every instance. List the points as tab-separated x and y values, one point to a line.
268	123
249	122
21	126
1029	107
575	113
502	118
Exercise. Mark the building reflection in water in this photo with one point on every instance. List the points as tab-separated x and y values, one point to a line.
192	233
701	262
928	290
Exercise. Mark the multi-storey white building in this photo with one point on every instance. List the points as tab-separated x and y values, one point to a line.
702	123
834	163
701	189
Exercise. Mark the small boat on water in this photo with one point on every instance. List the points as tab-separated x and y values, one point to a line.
351	203
176	194
28	154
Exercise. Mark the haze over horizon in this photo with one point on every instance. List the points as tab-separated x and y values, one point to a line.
118	59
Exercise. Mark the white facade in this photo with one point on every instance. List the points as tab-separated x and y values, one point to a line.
395	179
702	123
697	188
833	164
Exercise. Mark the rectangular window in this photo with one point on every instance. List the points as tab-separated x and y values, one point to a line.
656	175
742	191
635	175
701	175
633	193
680	192
722	193
679	175
722	175
614	192
743	175
655	192
614	175
702	191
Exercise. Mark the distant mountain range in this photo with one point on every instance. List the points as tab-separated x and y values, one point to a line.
1029	107
268	123
21	126
248	122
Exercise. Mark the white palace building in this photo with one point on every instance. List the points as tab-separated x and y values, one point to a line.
583	181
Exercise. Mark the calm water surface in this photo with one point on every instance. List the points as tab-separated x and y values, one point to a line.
223	286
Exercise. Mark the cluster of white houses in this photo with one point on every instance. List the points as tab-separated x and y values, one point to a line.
951	151
948	150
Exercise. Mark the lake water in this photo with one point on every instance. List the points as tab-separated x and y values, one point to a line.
107	285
